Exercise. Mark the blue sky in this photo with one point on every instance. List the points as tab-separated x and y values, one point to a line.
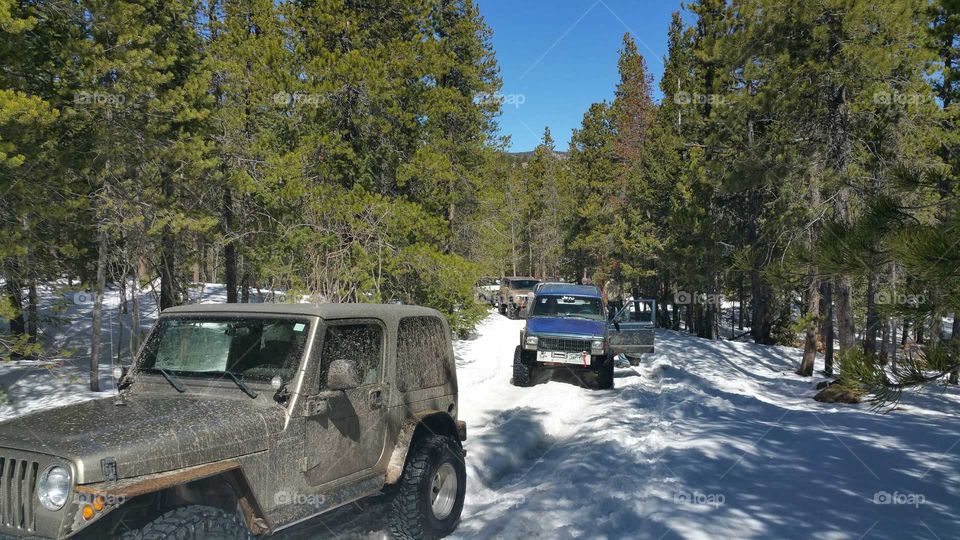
557	57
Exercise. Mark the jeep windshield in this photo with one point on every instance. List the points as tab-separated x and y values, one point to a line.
523	284
253	349
578	307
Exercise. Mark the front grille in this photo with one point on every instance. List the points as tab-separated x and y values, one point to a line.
18	480
563	345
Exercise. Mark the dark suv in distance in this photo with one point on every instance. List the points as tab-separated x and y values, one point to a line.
241	420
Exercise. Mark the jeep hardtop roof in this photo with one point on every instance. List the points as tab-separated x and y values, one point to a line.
571	289
386	312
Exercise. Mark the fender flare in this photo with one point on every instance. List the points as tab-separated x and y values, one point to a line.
230	471
441	419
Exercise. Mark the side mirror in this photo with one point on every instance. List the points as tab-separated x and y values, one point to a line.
343	375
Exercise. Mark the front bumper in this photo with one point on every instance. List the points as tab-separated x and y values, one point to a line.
592	345
581	359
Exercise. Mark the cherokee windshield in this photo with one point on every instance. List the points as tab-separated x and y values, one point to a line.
581	307
252	348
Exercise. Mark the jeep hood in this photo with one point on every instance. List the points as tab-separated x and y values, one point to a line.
573	327
150	434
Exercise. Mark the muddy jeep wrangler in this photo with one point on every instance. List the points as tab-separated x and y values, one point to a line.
241	420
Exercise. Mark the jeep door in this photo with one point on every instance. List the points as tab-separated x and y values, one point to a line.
633	328
345	429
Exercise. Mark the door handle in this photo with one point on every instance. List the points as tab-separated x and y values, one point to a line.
376	399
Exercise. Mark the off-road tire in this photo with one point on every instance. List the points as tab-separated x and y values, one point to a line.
605	374
411	513
192	523
522	373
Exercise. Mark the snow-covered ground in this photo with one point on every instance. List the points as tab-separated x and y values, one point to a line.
703	440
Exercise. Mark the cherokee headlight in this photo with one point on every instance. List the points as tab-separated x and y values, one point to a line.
53	487
596	347
531	343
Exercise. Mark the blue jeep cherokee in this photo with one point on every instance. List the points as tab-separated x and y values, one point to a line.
567	327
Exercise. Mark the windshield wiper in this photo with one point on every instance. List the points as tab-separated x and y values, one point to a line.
172	379
246	389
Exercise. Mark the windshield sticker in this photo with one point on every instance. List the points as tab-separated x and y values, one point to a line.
299	327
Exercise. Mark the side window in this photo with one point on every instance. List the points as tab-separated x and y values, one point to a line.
637	311
422	353
362	343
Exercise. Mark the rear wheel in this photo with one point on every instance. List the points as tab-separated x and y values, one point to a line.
522	372
429	497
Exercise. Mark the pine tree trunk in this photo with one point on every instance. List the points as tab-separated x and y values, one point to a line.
893	344
123	295
955	337
741	305
230	249
873	318
168	266
845	327
15	294
761	323
826	328
810	340
135	313
33	319
98	310
885	341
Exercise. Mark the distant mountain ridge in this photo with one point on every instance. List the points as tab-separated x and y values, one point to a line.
523	156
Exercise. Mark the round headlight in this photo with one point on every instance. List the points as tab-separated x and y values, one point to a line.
53	488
